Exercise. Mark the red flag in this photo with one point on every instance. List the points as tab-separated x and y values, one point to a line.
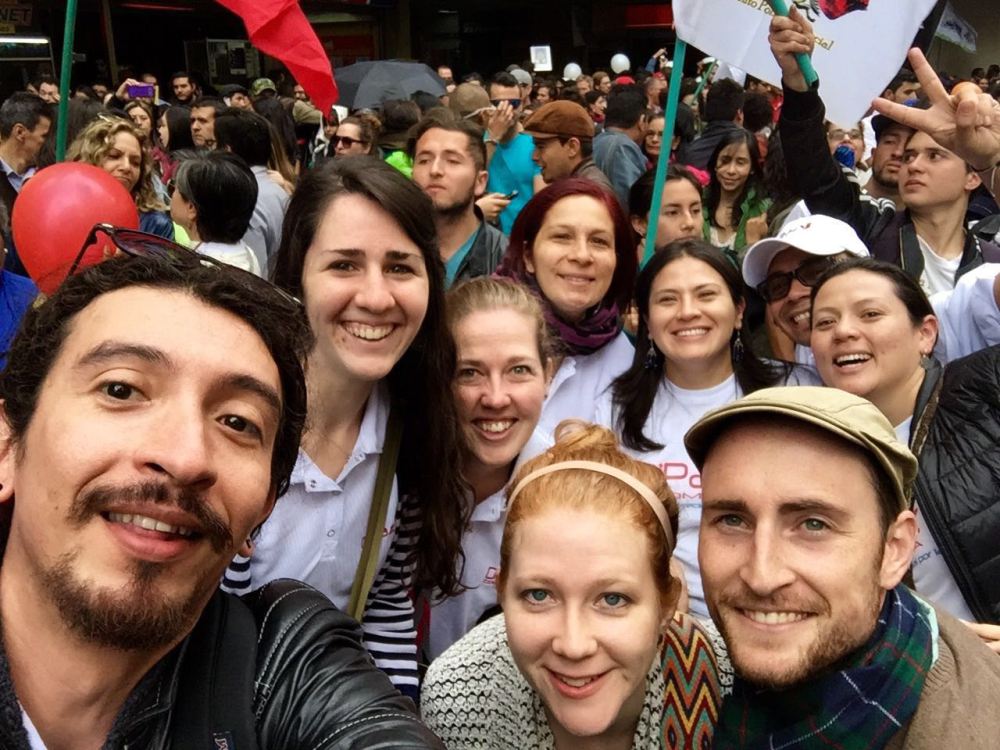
280	29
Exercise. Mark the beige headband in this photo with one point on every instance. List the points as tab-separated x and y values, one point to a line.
644	492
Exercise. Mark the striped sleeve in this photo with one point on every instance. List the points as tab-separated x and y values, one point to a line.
236	579
388	623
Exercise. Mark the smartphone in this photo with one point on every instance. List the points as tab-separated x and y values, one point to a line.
140	90
511	195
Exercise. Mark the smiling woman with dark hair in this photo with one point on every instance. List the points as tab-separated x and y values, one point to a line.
377	504
734	195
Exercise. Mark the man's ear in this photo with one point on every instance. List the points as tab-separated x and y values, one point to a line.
479	186
18	131
246	549
8	453
972	180
900	544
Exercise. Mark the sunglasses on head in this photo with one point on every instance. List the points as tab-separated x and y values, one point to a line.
143	245
776	286
514	103
344	139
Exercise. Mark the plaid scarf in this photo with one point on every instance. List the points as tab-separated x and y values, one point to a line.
859	707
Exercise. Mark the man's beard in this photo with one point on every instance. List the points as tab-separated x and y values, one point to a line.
135	616
826	651
882	177
455	209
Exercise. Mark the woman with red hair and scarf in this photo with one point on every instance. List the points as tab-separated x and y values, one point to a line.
572	245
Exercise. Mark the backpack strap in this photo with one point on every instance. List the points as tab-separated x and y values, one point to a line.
364	577
213	706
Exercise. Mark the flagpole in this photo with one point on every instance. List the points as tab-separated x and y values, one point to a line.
780	8
65	71
670	118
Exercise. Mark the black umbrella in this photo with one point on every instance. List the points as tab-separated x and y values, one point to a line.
366	85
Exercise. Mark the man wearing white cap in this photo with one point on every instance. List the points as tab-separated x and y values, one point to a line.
784	269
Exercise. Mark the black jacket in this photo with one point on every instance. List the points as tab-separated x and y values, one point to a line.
698	153
487	250
305	680
958	485
888	233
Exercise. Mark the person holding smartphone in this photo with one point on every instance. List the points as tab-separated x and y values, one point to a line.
509	150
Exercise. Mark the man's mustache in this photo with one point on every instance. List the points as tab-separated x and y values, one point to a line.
97	500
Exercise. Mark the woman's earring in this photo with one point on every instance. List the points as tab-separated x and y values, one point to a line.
652	357
738	351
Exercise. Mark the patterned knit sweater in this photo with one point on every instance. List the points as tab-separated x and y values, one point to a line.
475	698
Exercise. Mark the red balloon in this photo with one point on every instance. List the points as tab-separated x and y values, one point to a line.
55	212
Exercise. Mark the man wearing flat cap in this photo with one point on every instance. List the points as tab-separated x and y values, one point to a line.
806	535
564	140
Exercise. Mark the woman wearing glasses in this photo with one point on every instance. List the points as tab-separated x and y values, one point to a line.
356	135
118	147
376	502
692	355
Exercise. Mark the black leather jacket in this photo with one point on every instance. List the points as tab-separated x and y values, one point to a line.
308	684
958	485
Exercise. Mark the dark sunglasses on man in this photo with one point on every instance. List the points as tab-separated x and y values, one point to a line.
514	103
776	286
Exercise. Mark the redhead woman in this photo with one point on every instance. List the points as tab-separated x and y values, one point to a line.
588	652
873	334
502	345
118	147
572	245
692	355
376	502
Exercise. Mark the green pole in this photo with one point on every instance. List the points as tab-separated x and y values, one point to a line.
670	118
64	76
705	77
780	8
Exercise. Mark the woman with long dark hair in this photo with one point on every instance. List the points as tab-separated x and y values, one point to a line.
692	355
359	249
734	195
572	245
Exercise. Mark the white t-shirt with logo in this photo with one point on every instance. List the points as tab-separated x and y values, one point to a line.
931	575
674	412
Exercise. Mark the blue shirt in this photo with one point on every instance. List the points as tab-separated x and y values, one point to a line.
513	169
16	295
454	263
16	180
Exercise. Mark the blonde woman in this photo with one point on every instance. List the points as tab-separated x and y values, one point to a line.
118	147
502	373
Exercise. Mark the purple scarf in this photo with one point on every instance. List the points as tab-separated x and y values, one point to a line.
599	326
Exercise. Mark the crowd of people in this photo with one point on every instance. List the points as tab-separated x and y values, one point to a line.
381	430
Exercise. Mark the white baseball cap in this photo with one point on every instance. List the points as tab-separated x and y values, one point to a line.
816	235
